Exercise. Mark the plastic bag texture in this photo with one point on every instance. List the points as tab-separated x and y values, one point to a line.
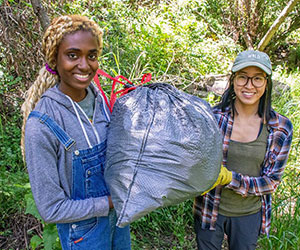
163	147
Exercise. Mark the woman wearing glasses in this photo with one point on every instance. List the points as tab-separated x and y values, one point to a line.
256	142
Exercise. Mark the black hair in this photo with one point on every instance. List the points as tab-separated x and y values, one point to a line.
264	107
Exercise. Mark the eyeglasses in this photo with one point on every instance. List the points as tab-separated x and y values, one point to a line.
257	81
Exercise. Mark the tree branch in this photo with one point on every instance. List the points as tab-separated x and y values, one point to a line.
40	13
268	36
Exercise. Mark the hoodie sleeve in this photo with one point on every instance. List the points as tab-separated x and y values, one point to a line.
53	203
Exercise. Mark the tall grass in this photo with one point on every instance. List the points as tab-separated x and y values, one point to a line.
167	39
166	228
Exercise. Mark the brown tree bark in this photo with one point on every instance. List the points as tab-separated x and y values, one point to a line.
268	36
40	13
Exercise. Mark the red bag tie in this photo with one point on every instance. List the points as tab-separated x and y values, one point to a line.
113	95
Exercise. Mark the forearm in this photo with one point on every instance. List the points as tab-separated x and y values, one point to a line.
247	185
51	184
64	210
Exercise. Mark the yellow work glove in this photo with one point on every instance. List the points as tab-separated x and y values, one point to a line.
225	177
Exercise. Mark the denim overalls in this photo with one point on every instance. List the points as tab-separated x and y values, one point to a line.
87	181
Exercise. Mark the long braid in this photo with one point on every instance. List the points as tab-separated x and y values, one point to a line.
44	81
56	31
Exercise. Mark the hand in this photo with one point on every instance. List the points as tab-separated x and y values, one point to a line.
225	177
111	205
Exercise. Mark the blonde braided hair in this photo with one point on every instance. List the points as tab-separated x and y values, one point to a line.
54	34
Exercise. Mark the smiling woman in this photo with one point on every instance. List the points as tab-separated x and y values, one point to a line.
256	142
65	139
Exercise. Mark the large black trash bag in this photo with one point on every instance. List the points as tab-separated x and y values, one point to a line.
163	147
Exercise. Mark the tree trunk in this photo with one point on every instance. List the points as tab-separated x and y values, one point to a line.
40	13
248	40
268	36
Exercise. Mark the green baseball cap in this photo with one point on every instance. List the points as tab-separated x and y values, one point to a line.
252	58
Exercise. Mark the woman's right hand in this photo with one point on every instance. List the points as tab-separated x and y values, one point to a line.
111	205
225	177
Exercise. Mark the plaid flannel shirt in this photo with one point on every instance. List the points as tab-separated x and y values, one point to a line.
278	146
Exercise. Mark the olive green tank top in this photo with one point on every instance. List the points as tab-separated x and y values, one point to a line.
245	158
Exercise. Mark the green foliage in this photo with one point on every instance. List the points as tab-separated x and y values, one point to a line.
285	225
11	194
286	100
177	40
31	207
12	175
50	240
164	228
50	237
10	143
35	242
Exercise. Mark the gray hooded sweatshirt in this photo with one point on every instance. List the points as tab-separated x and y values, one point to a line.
50	165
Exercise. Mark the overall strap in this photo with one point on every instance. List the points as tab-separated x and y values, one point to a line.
61	135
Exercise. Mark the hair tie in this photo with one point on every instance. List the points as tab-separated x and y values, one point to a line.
54	72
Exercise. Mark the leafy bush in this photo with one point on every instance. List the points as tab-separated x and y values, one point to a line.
178	41
49	240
